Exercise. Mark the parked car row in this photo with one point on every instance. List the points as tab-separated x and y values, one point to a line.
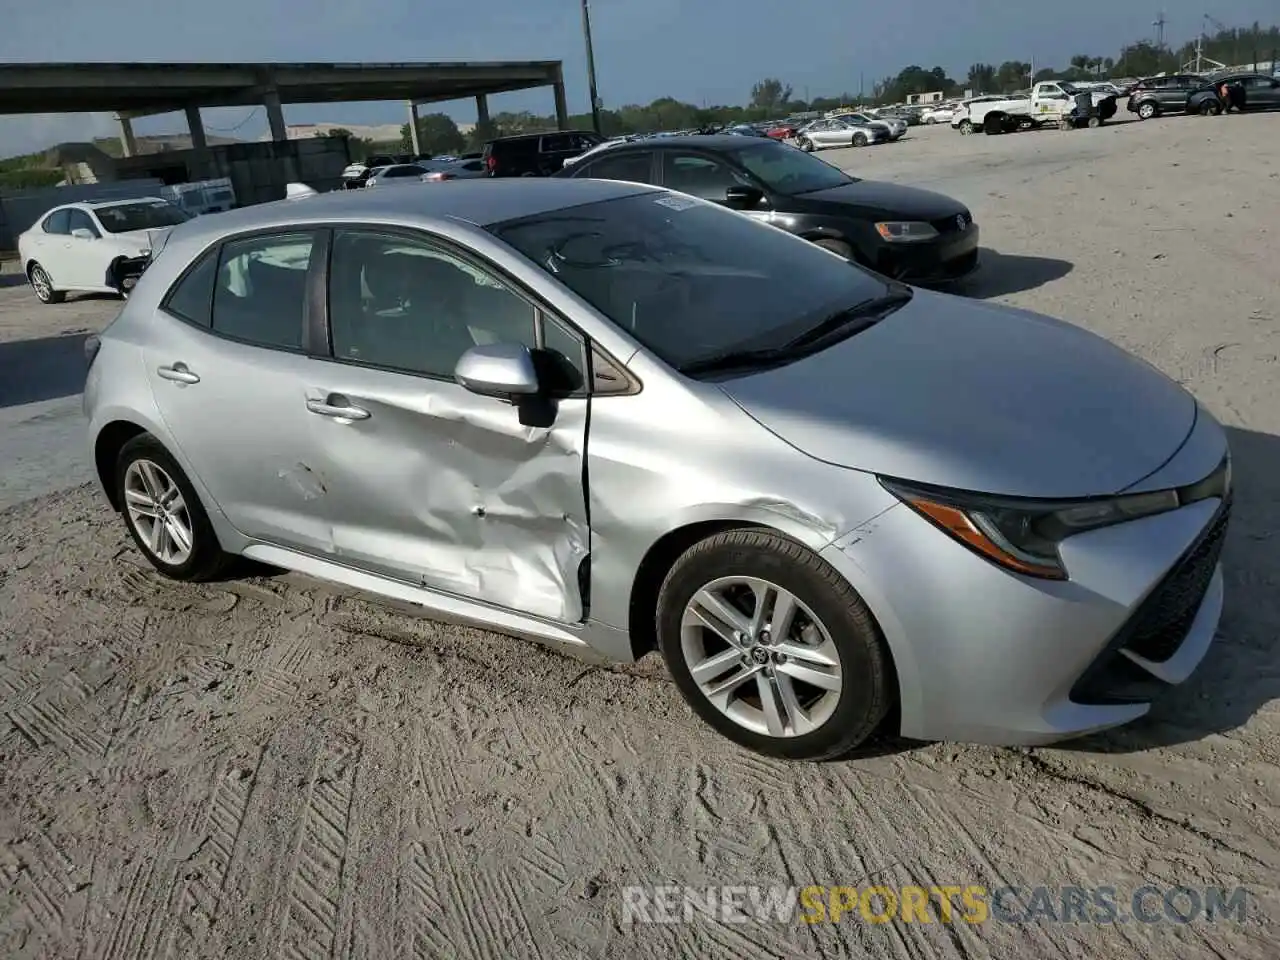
1182	93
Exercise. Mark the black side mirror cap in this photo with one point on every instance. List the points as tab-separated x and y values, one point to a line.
743	197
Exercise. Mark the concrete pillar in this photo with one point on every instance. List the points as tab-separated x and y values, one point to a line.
275	115
196	127
482	110
413	128
128	145
562	108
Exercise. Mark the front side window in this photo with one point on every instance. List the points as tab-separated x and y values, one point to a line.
143	215
685	278
701	176
406	304
58	223
79	220
789	171
261	289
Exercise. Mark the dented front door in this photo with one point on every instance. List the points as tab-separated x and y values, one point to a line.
431	484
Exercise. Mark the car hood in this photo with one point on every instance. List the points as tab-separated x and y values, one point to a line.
976	397
872	197
144	239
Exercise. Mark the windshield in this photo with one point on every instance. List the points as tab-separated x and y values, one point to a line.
787	170
1068	87
686	278
146	215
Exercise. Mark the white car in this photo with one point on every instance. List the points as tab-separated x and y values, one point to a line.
939	114
894	127
95	247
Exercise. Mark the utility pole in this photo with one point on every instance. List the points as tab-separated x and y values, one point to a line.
591	68
1159	25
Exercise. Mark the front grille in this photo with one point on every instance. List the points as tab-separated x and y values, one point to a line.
1158	627
1165	617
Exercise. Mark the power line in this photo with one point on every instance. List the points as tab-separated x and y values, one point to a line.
252	113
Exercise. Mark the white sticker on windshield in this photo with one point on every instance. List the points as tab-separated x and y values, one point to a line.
676	203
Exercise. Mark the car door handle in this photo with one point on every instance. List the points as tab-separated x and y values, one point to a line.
178	373
337	407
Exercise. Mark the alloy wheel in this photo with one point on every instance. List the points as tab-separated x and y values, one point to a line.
761	656
158	512
41	284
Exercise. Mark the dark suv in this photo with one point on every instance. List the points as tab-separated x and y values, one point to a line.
1156	95
536	154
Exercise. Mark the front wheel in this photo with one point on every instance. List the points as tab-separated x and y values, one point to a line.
966	127
42	284
1095	122
1210	108
772	647
164	514
859	139
805	144
1146	111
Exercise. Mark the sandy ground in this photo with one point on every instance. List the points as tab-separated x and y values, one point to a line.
270	767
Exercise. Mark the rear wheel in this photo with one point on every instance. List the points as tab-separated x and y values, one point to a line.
1095	122
42	284
1210	108
772	647
164	514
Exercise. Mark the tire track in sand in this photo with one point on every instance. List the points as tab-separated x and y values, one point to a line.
317	870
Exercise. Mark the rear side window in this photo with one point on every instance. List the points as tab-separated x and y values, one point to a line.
58	223
191	298
632	167
261	289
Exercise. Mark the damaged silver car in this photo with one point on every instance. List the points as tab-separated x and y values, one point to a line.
607	415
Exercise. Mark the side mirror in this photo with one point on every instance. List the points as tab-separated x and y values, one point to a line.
502	370
82	233
743	198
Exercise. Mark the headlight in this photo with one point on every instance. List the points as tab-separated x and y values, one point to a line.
1024	535
906	231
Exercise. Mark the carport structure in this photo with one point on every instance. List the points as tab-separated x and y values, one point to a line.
132	90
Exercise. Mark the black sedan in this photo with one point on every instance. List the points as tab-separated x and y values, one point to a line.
903	232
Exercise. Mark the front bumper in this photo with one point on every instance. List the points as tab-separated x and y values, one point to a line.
951	256
986	656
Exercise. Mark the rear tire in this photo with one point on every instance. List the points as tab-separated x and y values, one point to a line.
816	691
154	493
1210	108
42	285
1095	122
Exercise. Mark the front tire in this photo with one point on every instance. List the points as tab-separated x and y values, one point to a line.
1147	111
859	139
772	647
966	127
42	284
805	144
1210	108
164	514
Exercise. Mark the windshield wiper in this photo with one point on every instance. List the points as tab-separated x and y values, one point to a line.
851	320
844	323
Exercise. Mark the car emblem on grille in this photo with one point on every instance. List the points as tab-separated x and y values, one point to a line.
960	220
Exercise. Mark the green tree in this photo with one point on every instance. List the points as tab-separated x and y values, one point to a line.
770	94
437	133
339	133
1012	75
982	78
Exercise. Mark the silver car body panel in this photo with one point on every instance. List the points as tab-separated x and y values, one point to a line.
441	498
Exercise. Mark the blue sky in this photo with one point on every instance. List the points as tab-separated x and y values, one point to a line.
696	50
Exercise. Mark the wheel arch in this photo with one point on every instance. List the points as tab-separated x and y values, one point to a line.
106	451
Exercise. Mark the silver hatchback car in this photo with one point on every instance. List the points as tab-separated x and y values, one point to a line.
607	415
